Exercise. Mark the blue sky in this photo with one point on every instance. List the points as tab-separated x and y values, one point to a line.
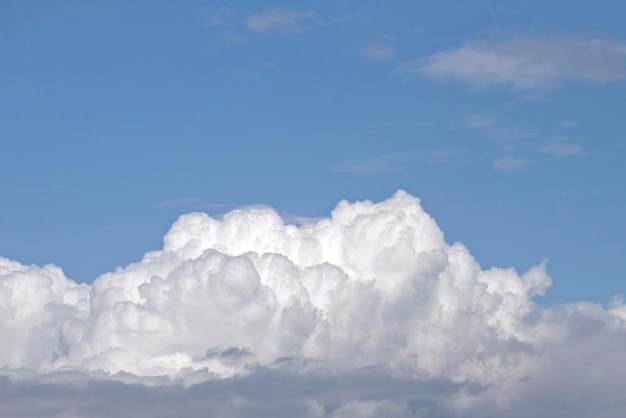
505	118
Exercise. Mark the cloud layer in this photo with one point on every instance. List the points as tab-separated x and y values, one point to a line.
526	63
373	289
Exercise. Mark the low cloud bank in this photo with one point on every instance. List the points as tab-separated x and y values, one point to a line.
367	311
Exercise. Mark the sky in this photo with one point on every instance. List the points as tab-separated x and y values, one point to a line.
430	178
504	118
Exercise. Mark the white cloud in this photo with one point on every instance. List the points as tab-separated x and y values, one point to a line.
530	63
283	21
365	311
561	147
378	50
511	164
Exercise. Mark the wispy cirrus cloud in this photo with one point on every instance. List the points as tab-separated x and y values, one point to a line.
222	26
375	164
511	164
478	121
214	17
377	50
503	132
567	124
393	162
562	147
526	63
508	133
278	20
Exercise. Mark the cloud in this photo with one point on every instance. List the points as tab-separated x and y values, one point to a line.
262	392
491	128
221	25
375	164
394	162
507	133
511	164
561	147
365	311
526	63
567	124
443	155
479	121
214	18
376	50
282	21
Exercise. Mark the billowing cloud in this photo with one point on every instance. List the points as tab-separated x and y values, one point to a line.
526	63
283	21
369	310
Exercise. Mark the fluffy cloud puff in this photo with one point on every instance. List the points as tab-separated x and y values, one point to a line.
373	287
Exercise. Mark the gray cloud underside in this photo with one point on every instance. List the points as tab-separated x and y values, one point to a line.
591	388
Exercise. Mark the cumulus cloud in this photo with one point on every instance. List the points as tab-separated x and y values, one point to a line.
368	310
526	63
282	21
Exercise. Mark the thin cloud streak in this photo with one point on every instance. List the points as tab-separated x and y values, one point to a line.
511	164
375	164
562	148
378	50
479	121
393	162
568	124
281	21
